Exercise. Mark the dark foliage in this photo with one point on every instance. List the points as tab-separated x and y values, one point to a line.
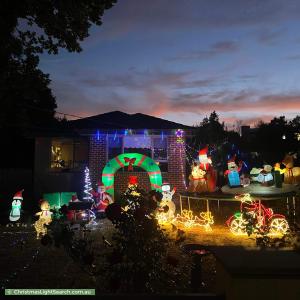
141	249
138	258
28	28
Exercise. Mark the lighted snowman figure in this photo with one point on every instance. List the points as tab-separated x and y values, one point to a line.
167	203
15	212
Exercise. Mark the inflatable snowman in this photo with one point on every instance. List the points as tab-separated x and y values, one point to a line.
15	212
167	206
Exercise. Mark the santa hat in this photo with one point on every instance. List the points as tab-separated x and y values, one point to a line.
165	187
100	183
133	180
203	151
232	159
18	195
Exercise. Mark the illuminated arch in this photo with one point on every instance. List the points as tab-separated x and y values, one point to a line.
143	161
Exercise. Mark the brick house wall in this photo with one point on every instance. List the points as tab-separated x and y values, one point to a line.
97	158
176	166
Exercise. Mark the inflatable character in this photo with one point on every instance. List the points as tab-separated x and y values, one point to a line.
15	212
278	175
232	172
292	174
254	173
265	177
167	207
103	199
198	181
206	165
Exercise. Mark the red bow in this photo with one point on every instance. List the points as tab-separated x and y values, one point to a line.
130	162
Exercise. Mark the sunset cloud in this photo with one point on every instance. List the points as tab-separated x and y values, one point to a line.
184	59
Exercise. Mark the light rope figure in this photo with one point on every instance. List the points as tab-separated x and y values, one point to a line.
167	208
264	219
188	220
44	219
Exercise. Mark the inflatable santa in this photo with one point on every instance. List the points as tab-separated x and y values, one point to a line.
102	200
205	163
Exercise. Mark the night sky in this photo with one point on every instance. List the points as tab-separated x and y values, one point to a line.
180	60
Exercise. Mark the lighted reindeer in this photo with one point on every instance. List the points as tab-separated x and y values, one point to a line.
292	174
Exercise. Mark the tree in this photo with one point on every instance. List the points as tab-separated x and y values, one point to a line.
28	28
26	98
31	27
273	140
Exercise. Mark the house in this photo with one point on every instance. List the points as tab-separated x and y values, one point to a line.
113	145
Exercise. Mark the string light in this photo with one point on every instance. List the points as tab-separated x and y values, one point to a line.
188	220
181	166
87	186
179	134
266	220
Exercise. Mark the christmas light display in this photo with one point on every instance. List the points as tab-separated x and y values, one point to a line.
167	207
15	212
188	220
263	218
44	219
87	186
179	136
142	161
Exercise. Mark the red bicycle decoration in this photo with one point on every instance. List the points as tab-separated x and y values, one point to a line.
263	217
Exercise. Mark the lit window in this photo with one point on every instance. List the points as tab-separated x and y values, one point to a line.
68	154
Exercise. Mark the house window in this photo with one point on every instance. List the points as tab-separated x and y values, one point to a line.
160	153
114	146
68	154
154	147
138	144
160	149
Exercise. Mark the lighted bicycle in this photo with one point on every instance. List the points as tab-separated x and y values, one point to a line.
262	218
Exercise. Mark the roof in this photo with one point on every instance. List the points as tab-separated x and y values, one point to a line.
121	120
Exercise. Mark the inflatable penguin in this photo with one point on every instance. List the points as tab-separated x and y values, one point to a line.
15	212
